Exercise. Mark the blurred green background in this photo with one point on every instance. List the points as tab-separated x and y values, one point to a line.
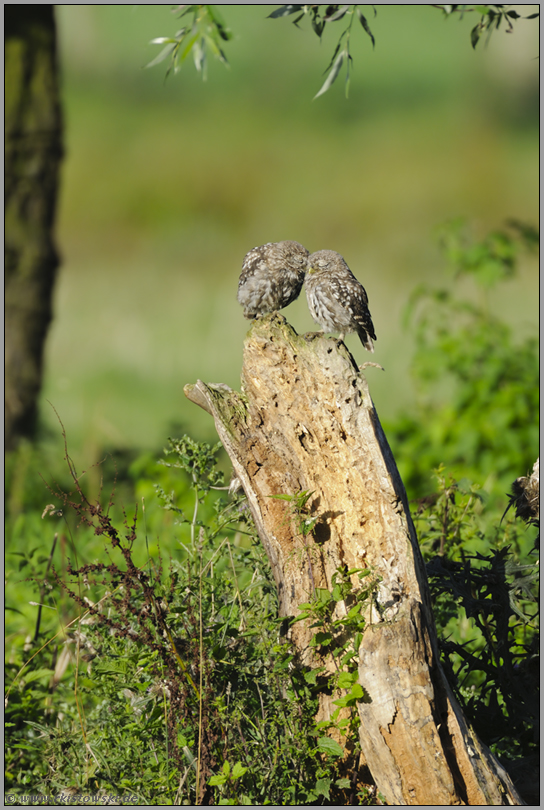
167	184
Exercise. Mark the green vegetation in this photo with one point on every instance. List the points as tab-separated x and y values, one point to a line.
144	656
477	380
164	680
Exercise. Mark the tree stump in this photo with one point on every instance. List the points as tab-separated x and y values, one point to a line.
305	422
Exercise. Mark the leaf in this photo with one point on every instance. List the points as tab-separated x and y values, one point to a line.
356	694
322	787
37	674
285	11
475	35
322	639
188	47
238	771
346	680
317	25
330	747
162	55
218	779
333	75
342	11
353	612
364	23
323	596
343	783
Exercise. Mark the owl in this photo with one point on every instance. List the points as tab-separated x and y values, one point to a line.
337	301
272	277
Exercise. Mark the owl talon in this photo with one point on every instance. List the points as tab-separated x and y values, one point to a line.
376	365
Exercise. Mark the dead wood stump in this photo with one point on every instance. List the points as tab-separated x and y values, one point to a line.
305	422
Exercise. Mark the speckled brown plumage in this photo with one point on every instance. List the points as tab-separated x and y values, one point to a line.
337	301
272	277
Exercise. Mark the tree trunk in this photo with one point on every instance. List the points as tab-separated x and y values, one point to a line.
305	422
33	151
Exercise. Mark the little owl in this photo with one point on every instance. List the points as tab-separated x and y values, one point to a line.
272	277
337	301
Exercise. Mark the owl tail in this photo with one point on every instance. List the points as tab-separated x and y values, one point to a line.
365	339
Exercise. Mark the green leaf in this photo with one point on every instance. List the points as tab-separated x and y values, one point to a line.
322	639
350	699
337	15
188	48
364	23
343	783
346	680
238	771
323	596
322	787
331	747
164	54
353	612
475	35
285	11
333	75
218	779
37	674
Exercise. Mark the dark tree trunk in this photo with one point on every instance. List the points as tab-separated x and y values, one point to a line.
33	151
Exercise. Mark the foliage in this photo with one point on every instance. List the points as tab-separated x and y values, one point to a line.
477	381
320	16
207	30
169	686
205	33
485	606
491	18
339	634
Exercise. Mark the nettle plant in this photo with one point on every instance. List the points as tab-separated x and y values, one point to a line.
173	683
340	638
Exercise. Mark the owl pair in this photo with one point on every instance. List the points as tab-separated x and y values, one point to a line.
272	277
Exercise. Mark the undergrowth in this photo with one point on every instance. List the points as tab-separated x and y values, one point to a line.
145	660
173	684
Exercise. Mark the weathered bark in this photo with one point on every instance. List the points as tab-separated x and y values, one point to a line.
305	422
33	152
